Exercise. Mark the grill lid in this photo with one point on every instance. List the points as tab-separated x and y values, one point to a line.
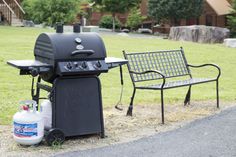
53	47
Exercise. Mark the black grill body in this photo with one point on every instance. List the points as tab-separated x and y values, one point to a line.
76	60
71	63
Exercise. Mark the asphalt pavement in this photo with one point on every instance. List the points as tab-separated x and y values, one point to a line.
214	136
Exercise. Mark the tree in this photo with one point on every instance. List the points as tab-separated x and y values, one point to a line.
134	19
28	8
174	10
232	20
117	6
107	22
51	11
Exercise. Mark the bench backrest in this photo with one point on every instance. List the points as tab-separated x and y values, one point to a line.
171	63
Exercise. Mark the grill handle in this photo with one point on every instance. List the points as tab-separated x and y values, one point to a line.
82	52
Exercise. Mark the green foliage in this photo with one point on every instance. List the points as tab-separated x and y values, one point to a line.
107	22
134	19
57	144
232	25
51	11
117	6
174	9
28	7
232	21
98	1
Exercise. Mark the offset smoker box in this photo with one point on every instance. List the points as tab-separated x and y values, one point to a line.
71	63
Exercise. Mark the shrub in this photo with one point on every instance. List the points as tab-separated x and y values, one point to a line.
232	25
232	21
107	22
135	19
51	11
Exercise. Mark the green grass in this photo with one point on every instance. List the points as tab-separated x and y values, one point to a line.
18	43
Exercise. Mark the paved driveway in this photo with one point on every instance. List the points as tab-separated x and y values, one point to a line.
214	136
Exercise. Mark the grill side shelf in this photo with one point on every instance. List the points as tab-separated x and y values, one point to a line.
113	62
26	66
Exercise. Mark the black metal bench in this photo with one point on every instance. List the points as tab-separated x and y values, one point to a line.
150	66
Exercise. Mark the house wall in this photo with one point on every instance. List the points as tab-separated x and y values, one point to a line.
219	21
209	17
144	7
96	16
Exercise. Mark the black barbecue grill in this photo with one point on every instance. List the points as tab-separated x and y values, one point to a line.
71	62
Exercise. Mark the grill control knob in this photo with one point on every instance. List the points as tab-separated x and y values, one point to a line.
84	65
98	64
69	66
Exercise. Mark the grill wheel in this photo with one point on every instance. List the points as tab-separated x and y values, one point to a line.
54	137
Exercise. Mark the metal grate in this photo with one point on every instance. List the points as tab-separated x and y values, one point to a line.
179	83
170	63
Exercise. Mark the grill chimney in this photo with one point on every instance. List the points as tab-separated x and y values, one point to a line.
77	28
59	27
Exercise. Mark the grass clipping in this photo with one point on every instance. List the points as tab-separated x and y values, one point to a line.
118	128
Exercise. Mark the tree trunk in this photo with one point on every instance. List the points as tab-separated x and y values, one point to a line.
113	20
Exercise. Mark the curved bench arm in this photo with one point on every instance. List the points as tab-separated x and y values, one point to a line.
152	71
203	65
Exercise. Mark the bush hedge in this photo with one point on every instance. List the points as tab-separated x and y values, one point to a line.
107	22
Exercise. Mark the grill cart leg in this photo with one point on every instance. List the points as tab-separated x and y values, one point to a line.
102	135
162	108
130	109
217	94
188	96
35	96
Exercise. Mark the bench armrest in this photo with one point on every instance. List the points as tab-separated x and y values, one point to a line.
204	65
152	71
149	71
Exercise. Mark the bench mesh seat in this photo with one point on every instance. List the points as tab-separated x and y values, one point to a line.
175	84
145	67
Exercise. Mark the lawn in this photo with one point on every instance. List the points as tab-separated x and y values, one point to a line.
18	43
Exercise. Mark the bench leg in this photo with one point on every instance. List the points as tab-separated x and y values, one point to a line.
130	109
217	94
162	108
188	96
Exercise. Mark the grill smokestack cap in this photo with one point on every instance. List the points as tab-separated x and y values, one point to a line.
77	28
59	27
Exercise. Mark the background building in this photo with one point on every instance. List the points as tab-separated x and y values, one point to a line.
11	12
214	14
